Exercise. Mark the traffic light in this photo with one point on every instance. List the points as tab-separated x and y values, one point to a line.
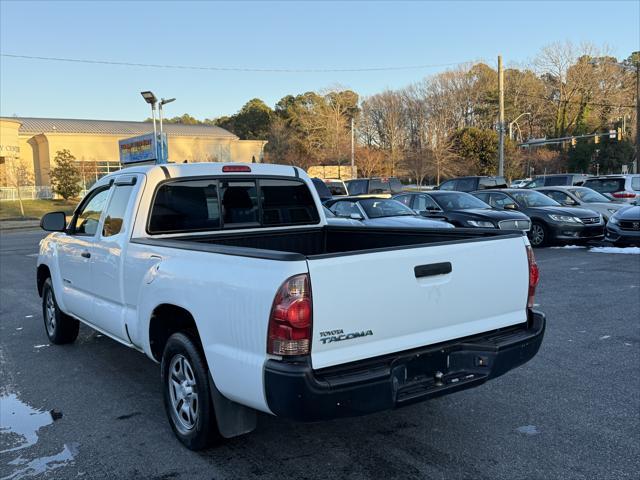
619	136
596	139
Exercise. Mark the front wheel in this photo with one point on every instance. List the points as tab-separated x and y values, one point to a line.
538	236
187	399
60	327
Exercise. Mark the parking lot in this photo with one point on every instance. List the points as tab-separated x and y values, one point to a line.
572	412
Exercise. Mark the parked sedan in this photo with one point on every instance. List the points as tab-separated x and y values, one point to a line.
381	212
624	227
550	221
582	197
463	210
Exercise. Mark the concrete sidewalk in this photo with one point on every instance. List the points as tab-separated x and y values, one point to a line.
18	224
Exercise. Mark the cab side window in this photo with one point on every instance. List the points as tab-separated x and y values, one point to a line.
116	210
87	218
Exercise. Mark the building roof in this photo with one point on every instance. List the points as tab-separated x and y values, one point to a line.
114	127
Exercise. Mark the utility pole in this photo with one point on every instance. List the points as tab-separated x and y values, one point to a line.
501	119
353	152
636	165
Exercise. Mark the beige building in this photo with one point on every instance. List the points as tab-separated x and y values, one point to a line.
94	144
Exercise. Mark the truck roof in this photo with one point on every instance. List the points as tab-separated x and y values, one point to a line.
212	168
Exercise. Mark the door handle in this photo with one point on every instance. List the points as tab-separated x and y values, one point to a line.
432	269
85	255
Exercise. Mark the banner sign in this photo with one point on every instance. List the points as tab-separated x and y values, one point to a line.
144	148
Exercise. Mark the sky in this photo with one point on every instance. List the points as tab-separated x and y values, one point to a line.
268	35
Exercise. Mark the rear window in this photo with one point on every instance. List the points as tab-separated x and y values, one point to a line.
605	185
357	187
336	188
377	186
212	204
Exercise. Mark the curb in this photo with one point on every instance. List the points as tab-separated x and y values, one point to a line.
19	225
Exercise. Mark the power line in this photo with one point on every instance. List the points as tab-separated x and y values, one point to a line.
232	69
579	103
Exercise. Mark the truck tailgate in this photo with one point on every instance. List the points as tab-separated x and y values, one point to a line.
372	304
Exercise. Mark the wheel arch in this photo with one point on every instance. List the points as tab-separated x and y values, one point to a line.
41	276
167	319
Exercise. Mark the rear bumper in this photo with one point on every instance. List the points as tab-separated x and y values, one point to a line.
293	390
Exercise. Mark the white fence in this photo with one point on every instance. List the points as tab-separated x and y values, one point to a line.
26	193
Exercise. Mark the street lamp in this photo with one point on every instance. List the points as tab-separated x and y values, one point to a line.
151	99
515	121
162	102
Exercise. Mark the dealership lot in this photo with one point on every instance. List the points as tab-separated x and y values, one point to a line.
572	412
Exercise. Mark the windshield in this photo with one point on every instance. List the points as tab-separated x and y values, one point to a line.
378	208
533	199
589	196
458	201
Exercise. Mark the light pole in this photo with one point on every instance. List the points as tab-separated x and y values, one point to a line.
353	152
163	102
151	99
516	122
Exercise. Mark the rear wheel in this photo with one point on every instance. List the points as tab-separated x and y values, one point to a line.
60	328
187	398
538	235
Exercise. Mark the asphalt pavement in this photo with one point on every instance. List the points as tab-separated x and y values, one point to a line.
94	409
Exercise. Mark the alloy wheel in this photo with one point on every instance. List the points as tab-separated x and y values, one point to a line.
183	392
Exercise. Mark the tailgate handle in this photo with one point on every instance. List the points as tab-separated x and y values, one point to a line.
432	269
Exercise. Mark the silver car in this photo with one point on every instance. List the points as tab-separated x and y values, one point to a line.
380	212
582	197
619	188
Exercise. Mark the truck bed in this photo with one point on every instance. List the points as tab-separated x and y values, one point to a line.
327	241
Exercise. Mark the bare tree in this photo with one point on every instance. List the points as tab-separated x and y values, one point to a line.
16	174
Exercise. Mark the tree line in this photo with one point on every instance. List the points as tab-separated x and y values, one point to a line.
445	124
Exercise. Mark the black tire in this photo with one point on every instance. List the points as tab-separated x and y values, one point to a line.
539	234
199	430
60	327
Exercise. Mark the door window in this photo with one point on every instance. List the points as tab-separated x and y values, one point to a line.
406	199
424	202
345	209
466	184
114	219
560	197
357	187
448	185
378	187
499	200
87	219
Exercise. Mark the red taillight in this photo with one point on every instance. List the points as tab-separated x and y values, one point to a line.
534	276
235	168
623	194
290	319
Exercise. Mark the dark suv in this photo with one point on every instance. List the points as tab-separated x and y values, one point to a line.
557	180
374	186
471	184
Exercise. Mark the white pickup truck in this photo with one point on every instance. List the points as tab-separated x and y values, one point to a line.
229	276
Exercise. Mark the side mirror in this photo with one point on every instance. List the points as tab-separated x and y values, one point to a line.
355	216
510	206
54	222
